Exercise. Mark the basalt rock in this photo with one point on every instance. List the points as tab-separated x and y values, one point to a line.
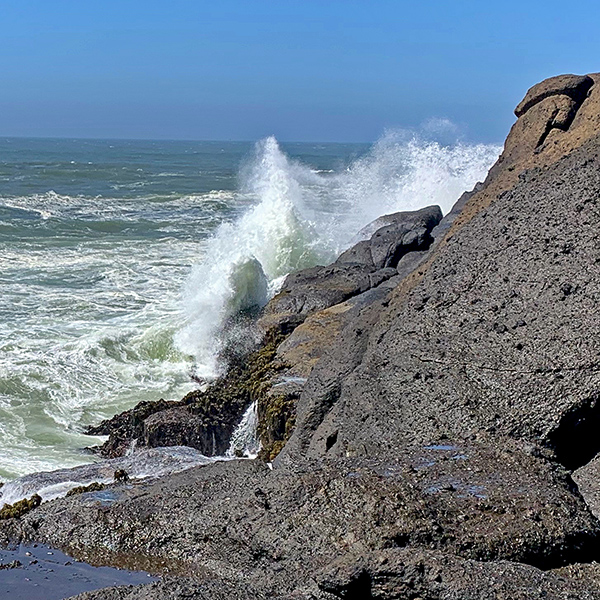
392	237
438	412
487	500
364	266
204	419
430	575
496	331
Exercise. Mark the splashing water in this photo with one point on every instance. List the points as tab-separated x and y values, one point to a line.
91	274
301	218
244	440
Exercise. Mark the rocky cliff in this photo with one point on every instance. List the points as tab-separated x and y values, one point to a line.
425	401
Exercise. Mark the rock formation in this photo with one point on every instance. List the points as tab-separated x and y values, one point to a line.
424	400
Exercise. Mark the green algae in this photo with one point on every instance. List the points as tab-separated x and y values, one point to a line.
20	508
82	489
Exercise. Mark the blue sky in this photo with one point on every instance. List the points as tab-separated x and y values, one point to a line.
330	70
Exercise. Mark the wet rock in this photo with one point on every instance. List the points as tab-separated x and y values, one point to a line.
486	500
392	237
364	266
179	427
20	508
204	419
84	489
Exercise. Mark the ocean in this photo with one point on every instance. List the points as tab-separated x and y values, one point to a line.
121	260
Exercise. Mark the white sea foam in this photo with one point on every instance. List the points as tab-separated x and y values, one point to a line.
89	309
302	217
153	462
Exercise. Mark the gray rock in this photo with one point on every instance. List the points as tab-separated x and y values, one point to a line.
490	499
400	573
497	333
392	237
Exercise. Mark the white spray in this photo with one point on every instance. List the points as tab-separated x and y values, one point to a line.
301	218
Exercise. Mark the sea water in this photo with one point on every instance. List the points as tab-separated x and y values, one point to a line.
121	260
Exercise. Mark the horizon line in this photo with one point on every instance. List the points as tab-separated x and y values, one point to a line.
165	139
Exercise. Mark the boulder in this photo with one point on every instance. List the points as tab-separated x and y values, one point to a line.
393	236
360	268
179	427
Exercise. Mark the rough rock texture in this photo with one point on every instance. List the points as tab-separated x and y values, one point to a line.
364	266
393	236
587	479
394	574
204	419
399	574
490	499
438	404
175	589
497	332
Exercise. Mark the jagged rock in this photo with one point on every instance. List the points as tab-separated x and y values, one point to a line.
317	288
357	270
126	427
496	332
179	427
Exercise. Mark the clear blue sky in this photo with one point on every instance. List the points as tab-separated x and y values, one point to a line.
339	70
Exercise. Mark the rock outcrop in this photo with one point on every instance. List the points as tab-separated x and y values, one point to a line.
424	400
486	500
497	332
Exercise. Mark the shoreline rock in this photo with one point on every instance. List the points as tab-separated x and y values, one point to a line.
424	400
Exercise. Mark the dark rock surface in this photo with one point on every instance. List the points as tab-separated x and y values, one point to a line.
401	573
362	267
500	334
587	479
204	419
175	589
486	500
393	236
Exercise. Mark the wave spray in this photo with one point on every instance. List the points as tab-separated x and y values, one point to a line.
300	217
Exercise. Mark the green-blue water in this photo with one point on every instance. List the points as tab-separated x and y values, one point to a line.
98	239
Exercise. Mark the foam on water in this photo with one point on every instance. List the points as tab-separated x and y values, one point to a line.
302	217
142	464
92	314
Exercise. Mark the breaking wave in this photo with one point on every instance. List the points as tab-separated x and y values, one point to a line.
301	217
